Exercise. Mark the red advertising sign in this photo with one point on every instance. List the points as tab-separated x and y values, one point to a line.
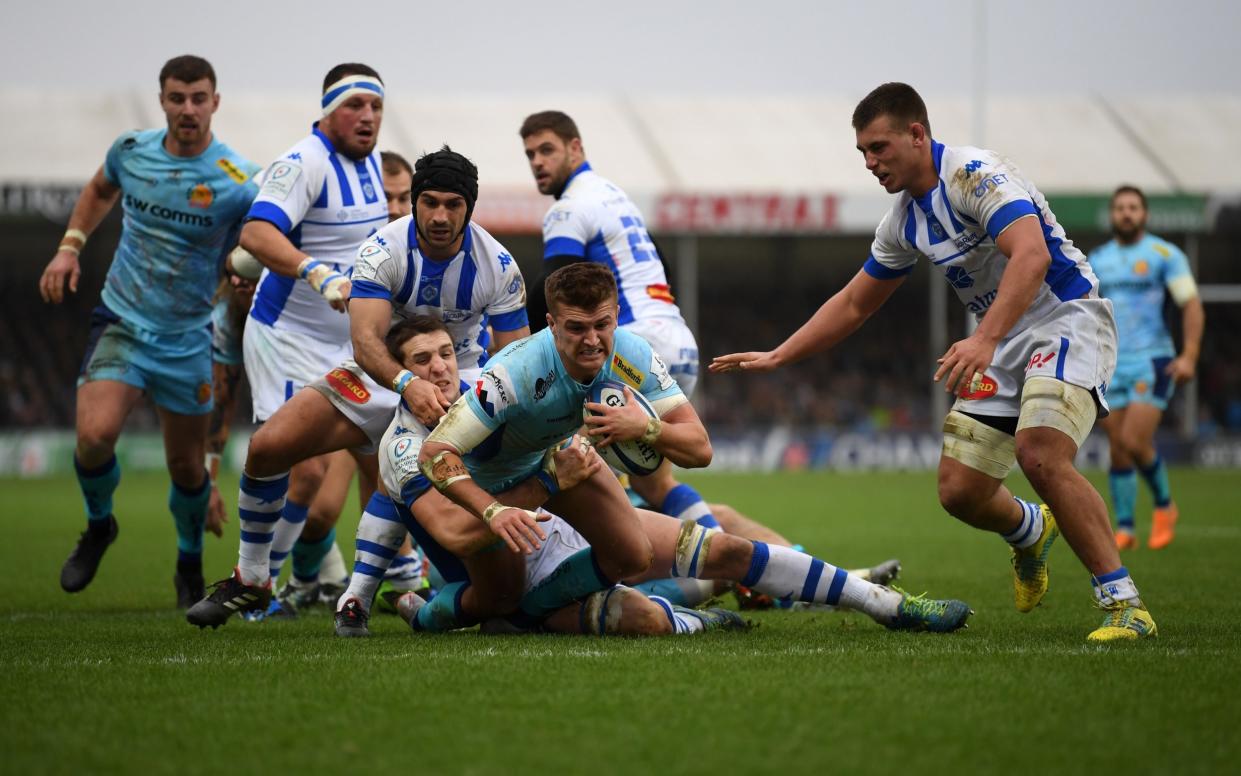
746	213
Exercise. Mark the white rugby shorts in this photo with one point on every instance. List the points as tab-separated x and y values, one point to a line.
1076	344
563	540
279	363
675	344
360	399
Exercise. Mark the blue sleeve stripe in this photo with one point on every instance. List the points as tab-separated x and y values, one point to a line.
1009	213
369	289
510	321
266	211
882	272
563	246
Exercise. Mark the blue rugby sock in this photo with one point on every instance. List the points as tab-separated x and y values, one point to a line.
680	591
684	503
443	612
1123	483
1156	476
576	577
98	484
189	514
308	557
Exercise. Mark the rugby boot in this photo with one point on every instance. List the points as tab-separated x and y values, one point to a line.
350	621
83	562
229	596
1125	621
1163	526
190	588
407	606
919	613
295	597
882	574
1125	540
715	618
1030	565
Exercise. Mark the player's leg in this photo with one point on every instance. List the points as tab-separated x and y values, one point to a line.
1055	419
599	509
1122	478
185	440
690	550
1139	431
623	611
102	407
312	536
380	534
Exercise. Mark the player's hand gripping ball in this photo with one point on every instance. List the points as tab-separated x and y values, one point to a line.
631	456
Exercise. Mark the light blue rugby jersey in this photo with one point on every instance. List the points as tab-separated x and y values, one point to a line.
530	402
182	215
327	204
1136	277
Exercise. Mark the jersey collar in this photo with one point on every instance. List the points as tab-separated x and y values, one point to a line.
314	129
467	244
581	168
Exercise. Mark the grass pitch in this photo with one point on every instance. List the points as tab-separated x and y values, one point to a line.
113	680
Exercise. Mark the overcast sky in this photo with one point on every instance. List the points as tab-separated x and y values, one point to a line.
635	46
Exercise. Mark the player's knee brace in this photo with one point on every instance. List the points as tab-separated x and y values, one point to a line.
601	611
978	446
1050	403
693	546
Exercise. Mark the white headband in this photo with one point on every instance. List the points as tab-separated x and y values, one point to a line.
347	87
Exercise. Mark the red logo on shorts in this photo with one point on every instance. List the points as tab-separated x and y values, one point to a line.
981	387
1040	360
204	393
346	384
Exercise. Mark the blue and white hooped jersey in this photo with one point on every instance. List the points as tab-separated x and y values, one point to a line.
955	225
327	204
595	220
481	284
1136	277
182	215
526	401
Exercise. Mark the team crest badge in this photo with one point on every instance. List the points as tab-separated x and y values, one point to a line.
204	393
1141	267
201	196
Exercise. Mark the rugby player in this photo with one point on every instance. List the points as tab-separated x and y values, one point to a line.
1137	271
593	220
455	540
184	195
1029	381
434	262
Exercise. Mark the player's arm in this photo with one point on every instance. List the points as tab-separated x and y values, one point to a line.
1023	243
267	243
836	319
677	433
1193	321
507	314
97	198
369	318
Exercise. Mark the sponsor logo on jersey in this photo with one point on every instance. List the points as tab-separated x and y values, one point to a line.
204	393
1162	250
1141	267
515	285
989	184
128	143
201	196
280	179
981	387
973	165
491	391
663	375
627	371
166	213
348	386
402	447
959	277
660	292
981	303
233	171
543	385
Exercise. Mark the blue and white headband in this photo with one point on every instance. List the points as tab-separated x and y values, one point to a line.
347	87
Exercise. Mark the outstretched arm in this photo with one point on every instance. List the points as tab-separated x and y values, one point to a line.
840	316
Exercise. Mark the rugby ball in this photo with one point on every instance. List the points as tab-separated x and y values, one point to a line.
244	264
633	456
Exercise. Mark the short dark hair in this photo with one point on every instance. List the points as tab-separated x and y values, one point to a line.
403	331
583	284
896	100
348	68
394	163
555	120
186	68
1129	188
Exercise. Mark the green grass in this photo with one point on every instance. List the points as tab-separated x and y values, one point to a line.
114	680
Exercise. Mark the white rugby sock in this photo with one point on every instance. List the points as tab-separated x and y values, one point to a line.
784	573
259	504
